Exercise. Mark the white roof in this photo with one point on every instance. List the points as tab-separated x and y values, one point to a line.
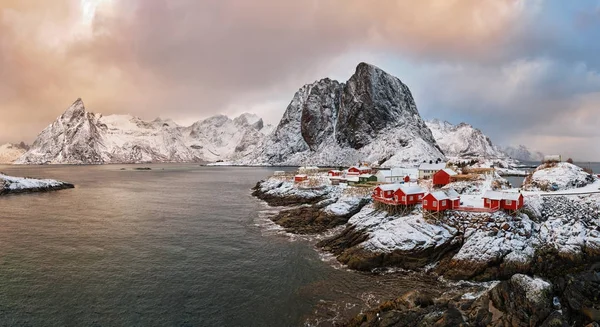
390	187
335	171
452	193
450	172
439	195
365	175
352	179
385	173
495	195
433	166
302	175
512	196
409	190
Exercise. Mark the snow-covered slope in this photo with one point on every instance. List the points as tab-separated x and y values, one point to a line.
563	175
463	140
81	137
10	152
372	117
522	153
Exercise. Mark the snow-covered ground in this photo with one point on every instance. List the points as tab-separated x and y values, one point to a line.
562	175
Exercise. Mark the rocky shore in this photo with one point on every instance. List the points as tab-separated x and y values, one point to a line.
19	185
554	242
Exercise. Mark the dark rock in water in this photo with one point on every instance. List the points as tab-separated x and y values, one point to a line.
142	168
278	201
62	186
311	219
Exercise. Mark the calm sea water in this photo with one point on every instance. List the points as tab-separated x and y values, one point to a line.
183	246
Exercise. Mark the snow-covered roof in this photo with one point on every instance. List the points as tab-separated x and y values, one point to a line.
433	166
514	196
335	171
452	193
493	195
352	179
450	172
301	175
409	190
385	173
365	175
439	195
390	187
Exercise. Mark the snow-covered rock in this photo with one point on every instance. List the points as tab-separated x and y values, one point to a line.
82	137
10	184
563	175
522	153
463	140
10	152
372	117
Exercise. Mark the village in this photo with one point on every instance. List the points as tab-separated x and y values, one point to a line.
433	187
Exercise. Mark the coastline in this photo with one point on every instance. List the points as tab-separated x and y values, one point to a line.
456	252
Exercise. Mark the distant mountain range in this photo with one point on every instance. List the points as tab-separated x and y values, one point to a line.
371	117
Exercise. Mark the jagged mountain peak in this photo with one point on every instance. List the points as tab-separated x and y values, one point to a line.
371	117
77	109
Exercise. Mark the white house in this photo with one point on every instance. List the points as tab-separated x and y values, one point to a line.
395	175
426	170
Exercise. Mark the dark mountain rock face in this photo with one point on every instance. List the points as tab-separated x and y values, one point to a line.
372	101
319	112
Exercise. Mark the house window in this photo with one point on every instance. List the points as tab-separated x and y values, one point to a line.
508	202
410	198
420	196
435	203
424	202
487	201
396	198
404	198
443	203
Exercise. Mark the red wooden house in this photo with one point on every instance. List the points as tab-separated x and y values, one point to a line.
441	201
406	179
334	172
443	177
503	200
300	178
408	195
385	192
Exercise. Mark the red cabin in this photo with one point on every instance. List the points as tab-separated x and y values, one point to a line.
332	173
359	170
513	201
408	195
443	177
492	200
441	201
385	192
406	179
503	200
300	178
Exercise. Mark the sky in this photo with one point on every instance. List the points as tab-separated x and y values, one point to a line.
523	71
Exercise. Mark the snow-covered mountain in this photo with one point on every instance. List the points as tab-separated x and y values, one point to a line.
10	152
372	117
522	153
463	140
82	137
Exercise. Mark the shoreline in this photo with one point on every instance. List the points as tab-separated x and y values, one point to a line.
22	185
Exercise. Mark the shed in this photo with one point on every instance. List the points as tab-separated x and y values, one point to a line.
354	170
513	201
444	176
365	178
334	172
492	199
300	178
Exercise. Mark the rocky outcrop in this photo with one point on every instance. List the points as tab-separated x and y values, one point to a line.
557	176
19	185
10	152
82	137
372	117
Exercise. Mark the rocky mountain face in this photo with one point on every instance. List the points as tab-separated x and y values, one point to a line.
522	153
372	117
463	140
10	152
81	137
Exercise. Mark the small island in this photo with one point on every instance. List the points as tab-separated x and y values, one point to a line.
16	185
528	256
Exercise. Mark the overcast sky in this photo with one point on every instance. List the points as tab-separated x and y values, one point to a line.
525	72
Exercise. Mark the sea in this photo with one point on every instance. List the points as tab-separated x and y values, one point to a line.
177	245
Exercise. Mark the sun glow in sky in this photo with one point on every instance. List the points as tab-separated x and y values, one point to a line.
89	8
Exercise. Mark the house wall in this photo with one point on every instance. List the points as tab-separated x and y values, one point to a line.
441	178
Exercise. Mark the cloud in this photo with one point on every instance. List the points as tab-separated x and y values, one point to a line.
482	61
